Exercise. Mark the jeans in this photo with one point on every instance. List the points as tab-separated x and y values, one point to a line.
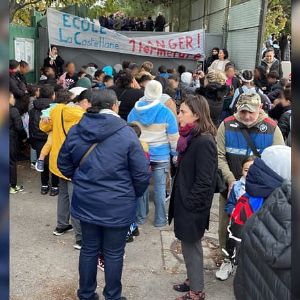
160	172
63	208
142	208
33	157
111	242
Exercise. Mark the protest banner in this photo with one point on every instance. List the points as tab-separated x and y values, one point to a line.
72	31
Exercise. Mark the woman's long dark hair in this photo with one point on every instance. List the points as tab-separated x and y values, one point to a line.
199	106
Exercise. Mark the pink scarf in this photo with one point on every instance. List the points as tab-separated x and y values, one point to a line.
186	134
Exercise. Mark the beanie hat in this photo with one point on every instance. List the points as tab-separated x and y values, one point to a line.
153	90
216	76
278	158
91	71
84	82
118	68
108	70
186	77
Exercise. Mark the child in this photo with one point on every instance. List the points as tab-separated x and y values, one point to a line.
16	132
99	76
237	201
62	96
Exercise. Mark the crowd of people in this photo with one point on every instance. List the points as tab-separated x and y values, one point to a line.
98	135
120	22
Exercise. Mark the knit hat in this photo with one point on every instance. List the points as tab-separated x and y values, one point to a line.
84	82
278	158
108	70
153	90
186	77
91	71
118	68
216	76
248	101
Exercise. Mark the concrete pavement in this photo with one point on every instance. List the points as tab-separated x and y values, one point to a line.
45	267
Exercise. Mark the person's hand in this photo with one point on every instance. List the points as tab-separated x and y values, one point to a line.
201	74
46	120
230	186
174	160
275	102
135	84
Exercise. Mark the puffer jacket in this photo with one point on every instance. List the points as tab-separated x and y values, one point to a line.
214	94
264	270
35	134
111	178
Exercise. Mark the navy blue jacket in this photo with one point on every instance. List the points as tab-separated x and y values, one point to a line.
113	175
261	180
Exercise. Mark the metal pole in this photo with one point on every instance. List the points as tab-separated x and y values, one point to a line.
226	23
261	30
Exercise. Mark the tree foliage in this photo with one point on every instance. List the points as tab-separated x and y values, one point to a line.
278	18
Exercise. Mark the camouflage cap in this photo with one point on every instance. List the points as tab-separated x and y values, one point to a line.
248	101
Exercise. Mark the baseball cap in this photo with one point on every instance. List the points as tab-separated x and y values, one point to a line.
249	102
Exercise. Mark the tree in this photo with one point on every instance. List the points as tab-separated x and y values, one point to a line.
19	10
278	17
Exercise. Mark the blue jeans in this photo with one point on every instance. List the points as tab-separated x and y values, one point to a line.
160	171
142	208
33	157
111	242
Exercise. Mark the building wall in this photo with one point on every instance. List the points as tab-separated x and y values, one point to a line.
239	21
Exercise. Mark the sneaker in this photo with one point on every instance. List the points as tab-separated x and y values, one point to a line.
39	165
54	191
13	190
32	165
45	189
225	270
136	232
77	246
19	188
101	263
60	231
129	238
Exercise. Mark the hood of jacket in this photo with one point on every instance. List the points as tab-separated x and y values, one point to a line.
96	127
41	103
261	180
147	111
215	91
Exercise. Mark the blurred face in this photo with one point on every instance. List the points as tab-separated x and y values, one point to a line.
248	118
230	73
173	83
54	51
269	56
271	80
256	74
246	167
284	102
71	68
215	52
186	116
221	55
143	83
85	104
135	71
109	83
24	70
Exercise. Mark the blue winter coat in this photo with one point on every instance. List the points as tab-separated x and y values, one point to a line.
110	179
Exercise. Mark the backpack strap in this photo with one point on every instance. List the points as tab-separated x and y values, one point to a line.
87	153
62	122
250	142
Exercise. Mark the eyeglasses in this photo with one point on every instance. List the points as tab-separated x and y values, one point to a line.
118	103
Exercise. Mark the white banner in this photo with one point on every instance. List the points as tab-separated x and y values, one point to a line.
71	31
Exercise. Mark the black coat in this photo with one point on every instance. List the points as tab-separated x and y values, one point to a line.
128	98
58	65
264	270
214	94
284	122
35	134
276	66
16	87
193	189
16	128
